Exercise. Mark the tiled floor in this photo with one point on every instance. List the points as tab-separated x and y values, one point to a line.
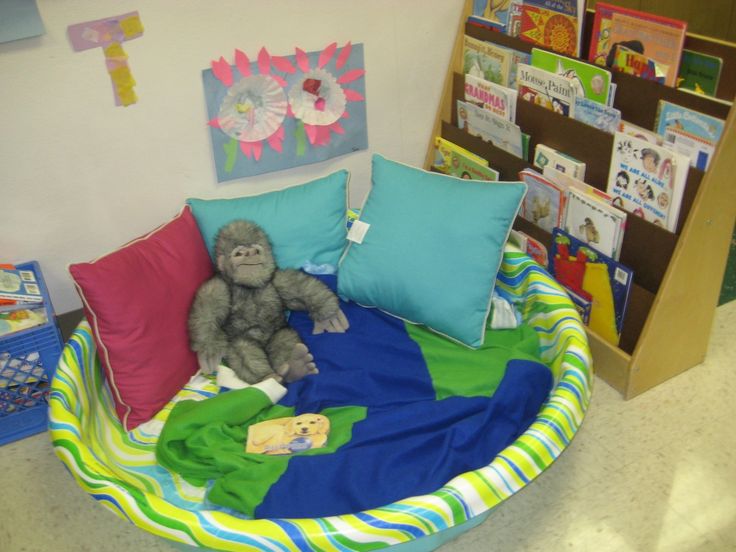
657	473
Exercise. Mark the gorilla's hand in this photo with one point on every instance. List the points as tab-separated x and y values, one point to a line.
208	363
337	323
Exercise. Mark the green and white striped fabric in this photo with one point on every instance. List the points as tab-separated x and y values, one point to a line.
119	468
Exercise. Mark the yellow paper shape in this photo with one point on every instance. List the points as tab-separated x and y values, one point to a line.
114	50
131	26
596	281
122	76
127	95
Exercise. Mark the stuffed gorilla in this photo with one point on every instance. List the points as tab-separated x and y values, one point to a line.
239	314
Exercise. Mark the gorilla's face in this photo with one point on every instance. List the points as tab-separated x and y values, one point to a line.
244	255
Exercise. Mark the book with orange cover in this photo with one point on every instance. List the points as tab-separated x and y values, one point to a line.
657	37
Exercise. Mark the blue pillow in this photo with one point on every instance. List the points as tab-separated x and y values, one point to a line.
306	223
432	250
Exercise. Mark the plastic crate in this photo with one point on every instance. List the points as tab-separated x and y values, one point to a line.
28	359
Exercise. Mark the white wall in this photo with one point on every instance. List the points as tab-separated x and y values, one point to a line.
80	176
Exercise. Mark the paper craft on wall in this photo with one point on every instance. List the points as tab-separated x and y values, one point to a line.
109	34
282	112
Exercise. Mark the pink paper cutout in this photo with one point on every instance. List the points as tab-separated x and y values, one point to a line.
257	150
353	96
326	55
283	64
221	69
302	60
276	143
215	123
350	76
246	148
344	55
264	62
337	128
312	86
311	131
320	104
243	63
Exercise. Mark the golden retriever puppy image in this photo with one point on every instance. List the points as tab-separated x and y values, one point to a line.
288	435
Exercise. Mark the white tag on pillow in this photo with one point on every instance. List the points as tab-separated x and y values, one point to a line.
358	231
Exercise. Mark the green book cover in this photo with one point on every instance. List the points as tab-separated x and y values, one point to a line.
590	81
700	72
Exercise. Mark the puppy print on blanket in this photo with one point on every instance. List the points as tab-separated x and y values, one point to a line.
288	435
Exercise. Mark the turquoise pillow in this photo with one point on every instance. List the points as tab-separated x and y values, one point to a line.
432	250
306	223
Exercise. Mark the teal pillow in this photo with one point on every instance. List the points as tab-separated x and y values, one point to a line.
306	223
432	249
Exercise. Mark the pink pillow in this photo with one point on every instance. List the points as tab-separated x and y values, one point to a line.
137	300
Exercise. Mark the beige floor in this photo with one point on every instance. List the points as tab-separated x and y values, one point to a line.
657	473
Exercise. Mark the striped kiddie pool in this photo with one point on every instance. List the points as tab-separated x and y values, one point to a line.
119	468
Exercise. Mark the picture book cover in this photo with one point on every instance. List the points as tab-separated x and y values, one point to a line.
494	12
594	222
591	274
22	319
647	180
546	89
546	156
670	31
549	28
457	161
640	132
486	60
699	72
537	251
631	62
688	120
592	113
544	202
589	80
583	303
491	96
698	150
569	182
19	285
490	127
288	435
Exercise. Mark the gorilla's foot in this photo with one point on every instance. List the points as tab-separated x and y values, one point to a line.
299	365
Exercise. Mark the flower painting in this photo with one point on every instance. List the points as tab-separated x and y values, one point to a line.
276	112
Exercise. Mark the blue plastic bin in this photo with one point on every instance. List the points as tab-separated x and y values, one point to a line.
27	362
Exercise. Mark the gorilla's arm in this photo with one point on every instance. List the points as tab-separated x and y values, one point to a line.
300	291
209	312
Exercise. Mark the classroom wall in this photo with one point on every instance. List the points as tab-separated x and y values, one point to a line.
81	176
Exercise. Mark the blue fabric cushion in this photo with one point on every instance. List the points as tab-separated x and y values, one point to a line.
433	248
306	223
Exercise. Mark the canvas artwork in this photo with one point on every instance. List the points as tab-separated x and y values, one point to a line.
278	112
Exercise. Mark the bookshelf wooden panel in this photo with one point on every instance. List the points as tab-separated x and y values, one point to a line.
677	275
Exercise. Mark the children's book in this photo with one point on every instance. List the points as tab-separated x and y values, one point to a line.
592	113
698	150
588	273
546	89
491	96
537	251
288	435
688	120
660	38
590	81
631	62
553	24
546	156
569	182
594	222
518	239
490	127
456	161
20	286
699	72
22	319
486	60
544	202
648	179
493	13
641	133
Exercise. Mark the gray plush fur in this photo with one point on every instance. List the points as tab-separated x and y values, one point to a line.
239	315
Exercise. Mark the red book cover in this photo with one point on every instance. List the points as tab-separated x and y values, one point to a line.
549	29
658	37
